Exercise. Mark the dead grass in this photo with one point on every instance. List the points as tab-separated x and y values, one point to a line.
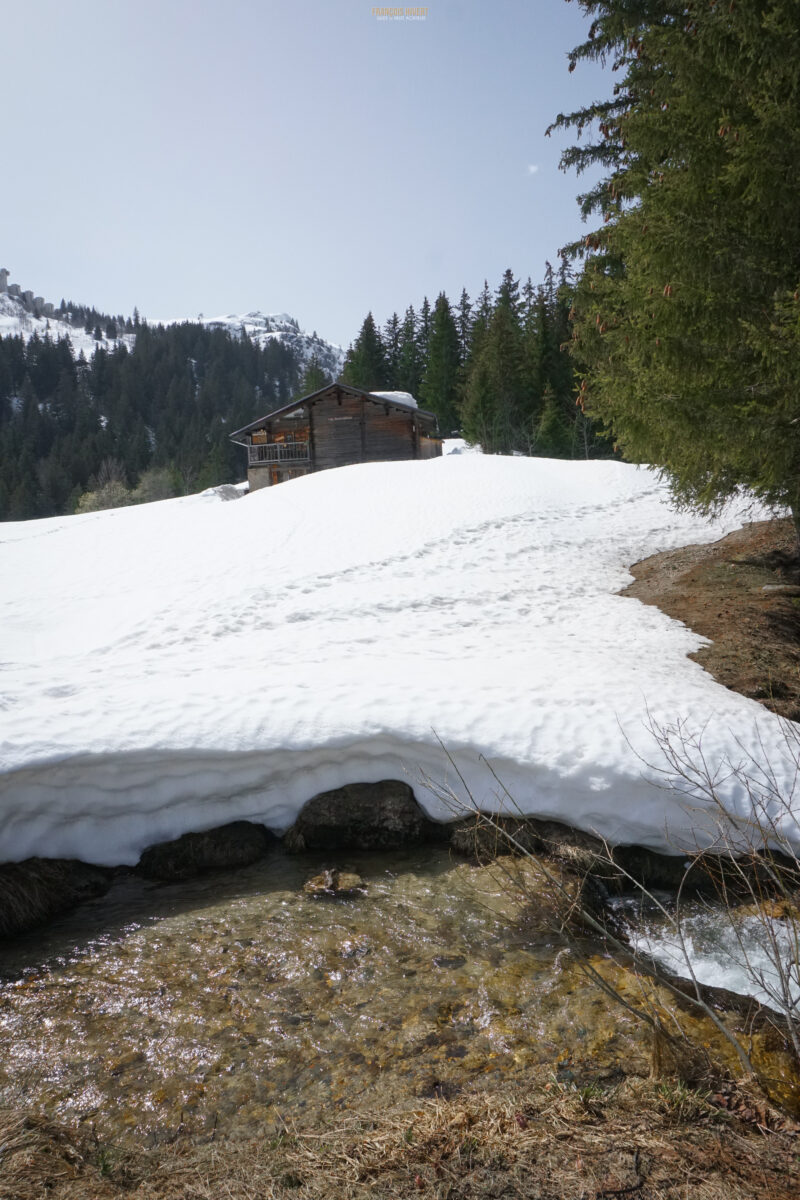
718	591
39	1158
545	1141
35	890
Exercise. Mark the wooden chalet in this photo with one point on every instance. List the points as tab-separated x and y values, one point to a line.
335	427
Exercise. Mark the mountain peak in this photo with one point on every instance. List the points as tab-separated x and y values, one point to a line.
263	327
23	314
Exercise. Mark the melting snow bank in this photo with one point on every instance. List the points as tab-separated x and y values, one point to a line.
177	665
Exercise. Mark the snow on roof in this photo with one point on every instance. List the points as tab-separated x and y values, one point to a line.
398	398
161	693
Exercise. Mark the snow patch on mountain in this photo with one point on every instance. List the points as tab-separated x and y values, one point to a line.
265	327
16	320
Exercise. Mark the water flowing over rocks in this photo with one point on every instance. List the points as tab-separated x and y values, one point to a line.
382	816
228	846
362	816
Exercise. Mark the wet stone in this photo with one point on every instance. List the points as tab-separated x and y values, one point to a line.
362	816
485	837
237	844
336	884
449	962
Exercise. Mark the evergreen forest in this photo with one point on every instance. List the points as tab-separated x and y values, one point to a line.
150	416
155	417
497	369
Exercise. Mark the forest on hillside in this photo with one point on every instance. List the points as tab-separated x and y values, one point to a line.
497	369
150	417
69	425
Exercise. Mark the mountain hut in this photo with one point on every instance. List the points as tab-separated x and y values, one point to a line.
335	427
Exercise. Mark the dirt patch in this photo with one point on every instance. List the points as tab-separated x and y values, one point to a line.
743	593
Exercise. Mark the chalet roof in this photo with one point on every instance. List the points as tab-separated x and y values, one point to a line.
425	417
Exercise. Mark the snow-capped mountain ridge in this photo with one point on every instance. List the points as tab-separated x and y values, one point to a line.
263	327
17	319
23	314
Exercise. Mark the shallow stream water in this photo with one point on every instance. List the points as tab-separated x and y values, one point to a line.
236	1002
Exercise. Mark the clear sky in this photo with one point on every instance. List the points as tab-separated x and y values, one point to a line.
303	156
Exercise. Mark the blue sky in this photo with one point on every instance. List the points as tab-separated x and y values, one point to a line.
214	156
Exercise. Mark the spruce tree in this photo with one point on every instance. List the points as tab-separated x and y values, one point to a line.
365	365
409	359
494	410
391	343
686	310
464	324
424	328
481	316
313	378
440	384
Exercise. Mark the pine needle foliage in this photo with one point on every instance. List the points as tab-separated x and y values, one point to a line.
687	311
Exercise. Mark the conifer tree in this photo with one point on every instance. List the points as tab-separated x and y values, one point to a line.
424	328
365	364
313	378
481	317
409	359
535	340
440	384
553	434
391	345
494	410
464	325
686	310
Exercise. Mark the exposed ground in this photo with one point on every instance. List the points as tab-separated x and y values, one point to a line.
647	1140
718	590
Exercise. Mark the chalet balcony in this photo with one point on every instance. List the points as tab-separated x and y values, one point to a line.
277	452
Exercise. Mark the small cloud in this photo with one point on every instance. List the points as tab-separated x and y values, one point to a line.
533	168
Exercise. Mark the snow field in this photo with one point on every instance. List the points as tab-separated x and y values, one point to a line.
176	665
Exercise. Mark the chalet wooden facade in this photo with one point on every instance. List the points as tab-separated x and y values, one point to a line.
335	427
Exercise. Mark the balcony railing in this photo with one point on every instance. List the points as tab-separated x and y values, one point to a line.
277	452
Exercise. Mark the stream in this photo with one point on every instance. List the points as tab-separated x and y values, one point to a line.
235	1002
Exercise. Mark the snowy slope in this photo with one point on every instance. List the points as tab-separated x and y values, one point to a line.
262	328
181	664
16	320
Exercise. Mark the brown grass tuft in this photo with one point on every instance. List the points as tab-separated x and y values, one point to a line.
544	1141
35	890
